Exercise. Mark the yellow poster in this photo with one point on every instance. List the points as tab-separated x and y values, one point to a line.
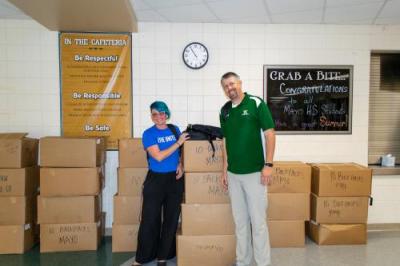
96	85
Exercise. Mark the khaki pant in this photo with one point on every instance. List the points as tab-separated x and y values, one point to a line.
249	205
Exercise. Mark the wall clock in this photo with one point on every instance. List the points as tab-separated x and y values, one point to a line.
195	55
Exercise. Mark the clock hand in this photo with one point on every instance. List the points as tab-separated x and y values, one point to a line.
193	52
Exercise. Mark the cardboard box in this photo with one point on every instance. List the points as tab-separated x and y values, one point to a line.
214	250
127	209
124	237
205	188
198	156
132	153
341	179
207	219
130	181
337	234
284	234
60	210
71	181
70	237
290	177
18	151
288	206
16	239
345	210
19	181
71	152
17	210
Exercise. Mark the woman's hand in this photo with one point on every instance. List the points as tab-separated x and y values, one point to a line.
179	171
182	138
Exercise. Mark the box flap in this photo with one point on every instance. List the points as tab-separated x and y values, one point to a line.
339	166
289	162
97	139
13	135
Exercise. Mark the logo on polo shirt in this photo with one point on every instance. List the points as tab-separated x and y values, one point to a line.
245	112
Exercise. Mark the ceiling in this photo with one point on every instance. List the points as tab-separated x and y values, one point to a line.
78	15
8	10
362	12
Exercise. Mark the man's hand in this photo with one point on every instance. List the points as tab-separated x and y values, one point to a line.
224	180
179	171
266	175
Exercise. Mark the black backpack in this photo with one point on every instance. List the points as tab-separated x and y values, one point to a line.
204	132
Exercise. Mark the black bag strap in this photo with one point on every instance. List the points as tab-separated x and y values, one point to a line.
225	110
212	146
173	130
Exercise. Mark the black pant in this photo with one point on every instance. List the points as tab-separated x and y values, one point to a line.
162	193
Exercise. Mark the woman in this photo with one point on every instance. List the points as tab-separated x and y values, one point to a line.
162	189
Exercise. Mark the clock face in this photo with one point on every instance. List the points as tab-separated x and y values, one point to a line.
195	55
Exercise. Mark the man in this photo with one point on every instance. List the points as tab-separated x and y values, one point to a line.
246	173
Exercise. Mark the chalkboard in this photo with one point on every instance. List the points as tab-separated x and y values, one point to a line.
309	99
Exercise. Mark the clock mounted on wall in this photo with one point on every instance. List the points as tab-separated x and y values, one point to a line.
195	55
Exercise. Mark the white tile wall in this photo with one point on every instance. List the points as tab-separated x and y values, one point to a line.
29	84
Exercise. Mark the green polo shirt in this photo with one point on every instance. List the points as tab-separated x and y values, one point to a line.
242	132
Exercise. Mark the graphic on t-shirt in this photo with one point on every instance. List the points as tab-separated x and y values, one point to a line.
166	139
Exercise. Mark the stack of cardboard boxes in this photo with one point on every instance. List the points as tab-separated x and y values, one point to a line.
339	203
127	202
207	236
289	204
69	204
19	180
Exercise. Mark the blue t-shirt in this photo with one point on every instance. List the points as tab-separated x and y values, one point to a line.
164	138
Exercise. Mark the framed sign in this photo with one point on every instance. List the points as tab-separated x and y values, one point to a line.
96	85
309	99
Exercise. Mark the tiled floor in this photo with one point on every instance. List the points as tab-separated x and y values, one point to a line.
383	249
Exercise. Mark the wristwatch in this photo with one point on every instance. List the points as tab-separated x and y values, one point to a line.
269	164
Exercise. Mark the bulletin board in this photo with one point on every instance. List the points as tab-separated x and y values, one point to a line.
96	85
309	99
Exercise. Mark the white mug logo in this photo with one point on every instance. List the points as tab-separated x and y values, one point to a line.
245	112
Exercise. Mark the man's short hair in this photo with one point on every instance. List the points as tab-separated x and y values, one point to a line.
228	75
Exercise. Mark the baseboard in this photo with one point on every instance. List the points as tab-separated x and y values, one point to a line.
386	227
